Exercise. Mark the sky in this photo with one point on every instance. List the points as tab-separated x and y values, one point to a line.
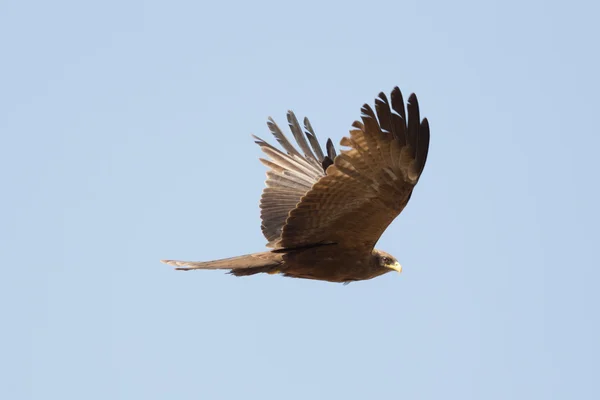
125	131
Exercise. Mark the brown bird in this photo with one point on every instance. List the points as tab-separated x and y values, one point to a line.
323	213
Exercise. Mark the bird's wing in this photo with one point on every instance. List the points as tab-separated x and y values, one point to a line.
368	185
291	174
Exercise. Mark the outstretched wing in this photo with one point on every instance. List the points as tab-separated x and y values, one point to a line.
291	174
368	185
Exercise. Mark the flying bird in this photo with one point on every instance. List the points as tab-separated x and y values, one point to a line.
322	213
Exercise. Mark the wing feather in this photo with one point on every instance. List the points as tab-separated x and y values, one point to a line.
423	149
301	139
281	138
398	116
384	114
312	138
369	183
290	175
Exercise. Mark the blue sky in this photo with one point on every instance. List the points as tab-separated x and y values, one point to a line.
125	131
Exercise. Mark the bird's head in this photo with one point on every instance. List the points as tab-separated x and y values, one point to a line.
388	261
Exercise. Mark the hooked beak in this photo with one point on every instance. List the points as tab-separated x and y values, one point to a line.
396	267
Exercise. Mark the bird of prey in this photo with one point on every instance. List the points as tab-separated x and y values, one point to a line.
322	213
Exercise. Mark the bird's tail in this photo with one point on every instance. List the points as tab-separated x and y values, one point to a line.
249	264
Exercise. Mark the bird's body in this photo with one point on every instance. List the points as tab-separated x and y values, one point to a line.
323	213
327	262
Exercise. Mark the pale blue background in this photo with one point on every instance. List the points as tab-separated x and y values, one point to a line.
125	137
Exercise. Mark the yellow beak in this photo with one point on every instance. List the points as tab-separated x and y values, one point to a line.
396	267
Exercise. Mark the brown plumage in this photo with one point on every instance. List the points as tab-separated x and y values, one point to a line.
322	213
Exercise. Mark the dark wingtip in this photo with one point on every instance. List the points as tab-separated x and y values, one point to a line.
398	103
414	121
423	145
382	107
330	149
412	99
326	163
367	111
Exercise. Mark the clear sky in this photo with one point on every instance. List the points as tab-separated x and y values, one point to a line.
125	131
